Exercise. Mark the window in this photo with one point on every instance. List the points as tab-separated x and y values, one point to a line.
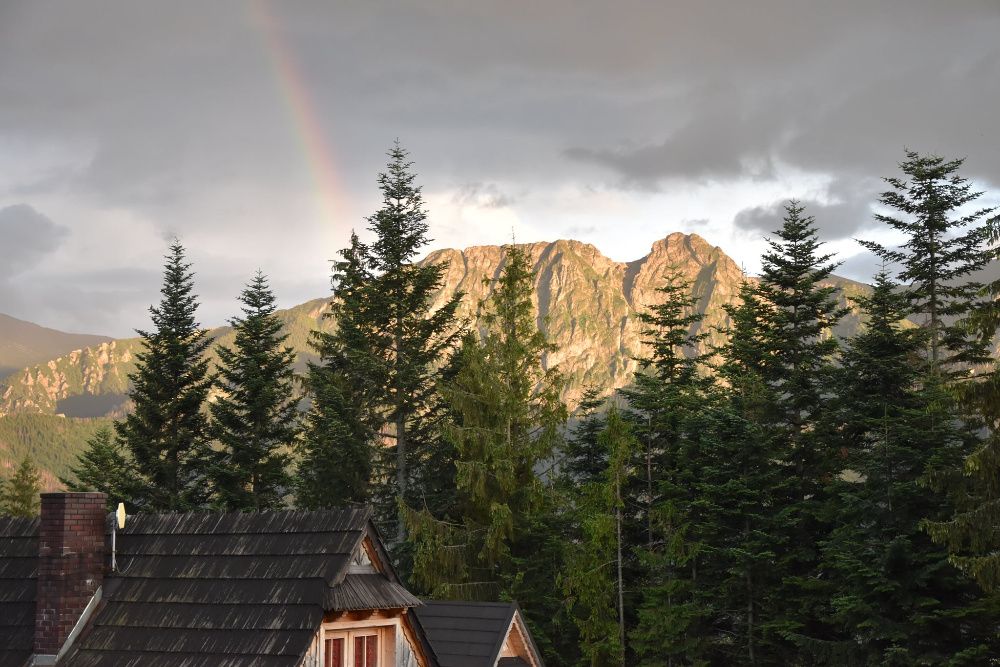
351	649
365	651
333	652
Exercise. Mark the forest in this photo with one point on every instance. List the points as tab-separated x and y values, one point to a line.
785	498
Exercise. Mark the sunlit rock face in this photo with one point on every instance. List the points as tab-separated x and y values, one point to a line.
587	303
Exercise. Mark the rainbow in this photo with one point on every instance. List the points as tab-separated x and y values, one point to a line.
305	118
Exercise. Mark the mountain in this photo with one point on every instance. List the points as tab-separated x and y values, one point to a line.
587	303
25	344
93	382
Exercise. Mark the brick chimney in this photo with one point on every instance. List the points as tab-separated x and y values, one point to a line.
70	564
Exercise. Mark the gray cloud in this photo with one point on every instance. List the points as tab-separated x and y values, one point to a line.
848	211
185	118
483	195
27	236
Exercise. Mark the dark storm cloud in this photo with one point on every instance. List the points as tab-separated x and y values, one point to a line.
844	98
848	212
180	115
27	237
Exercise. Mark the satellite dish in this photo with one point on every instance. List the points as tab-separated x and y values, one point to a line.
120	515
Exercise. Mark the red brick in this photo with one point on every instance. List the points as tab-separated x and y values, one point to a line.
71	564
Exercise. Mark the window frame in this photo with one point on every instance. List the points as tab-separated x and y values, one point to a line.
382	634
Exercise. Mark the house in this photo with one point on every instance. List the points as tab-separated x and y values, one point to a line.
286	588
477	634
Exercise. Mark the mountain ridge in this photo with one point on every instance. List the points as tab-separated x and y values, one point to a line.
587	303
24	343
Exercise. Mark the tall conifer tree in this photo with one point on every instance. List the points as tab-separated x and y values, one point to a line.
666	386
798	370
670	386
895	598
946	243
594	578
167	432
341	437
411	340
505	416
583	458
391	353
255	421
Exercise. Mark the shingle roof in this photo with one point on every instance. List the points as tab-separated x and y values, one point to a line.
369	591
466	634
18	575
228	590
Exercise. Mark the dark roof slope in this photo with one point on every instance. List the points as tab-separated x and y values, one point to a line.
226	589
18	575
466	634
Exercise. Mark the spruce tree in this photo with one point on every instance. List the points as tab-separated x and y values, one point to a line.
593	580
667	384
970	534
945	245
103	466
895	597
505	419
341	436
166	434
975	489
798	370
255	421
732	508
584	459
20	496
669	387
739	480
798	331
391	355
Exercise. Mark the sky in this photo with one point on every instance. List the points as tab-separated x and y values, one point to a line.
253	131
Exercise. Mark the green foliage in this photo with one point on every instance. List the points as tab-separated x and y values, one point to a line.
797	371
20	493
974	546
167	432
974	549
593	580
583	459
255	421
896	599
504	420
800	314
342	426
945	244
385	357
669	387
103	466
53	442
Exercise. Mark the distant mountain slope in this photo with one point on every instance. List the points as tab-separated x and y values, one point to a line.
81	382
587	303
25	344
52	442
